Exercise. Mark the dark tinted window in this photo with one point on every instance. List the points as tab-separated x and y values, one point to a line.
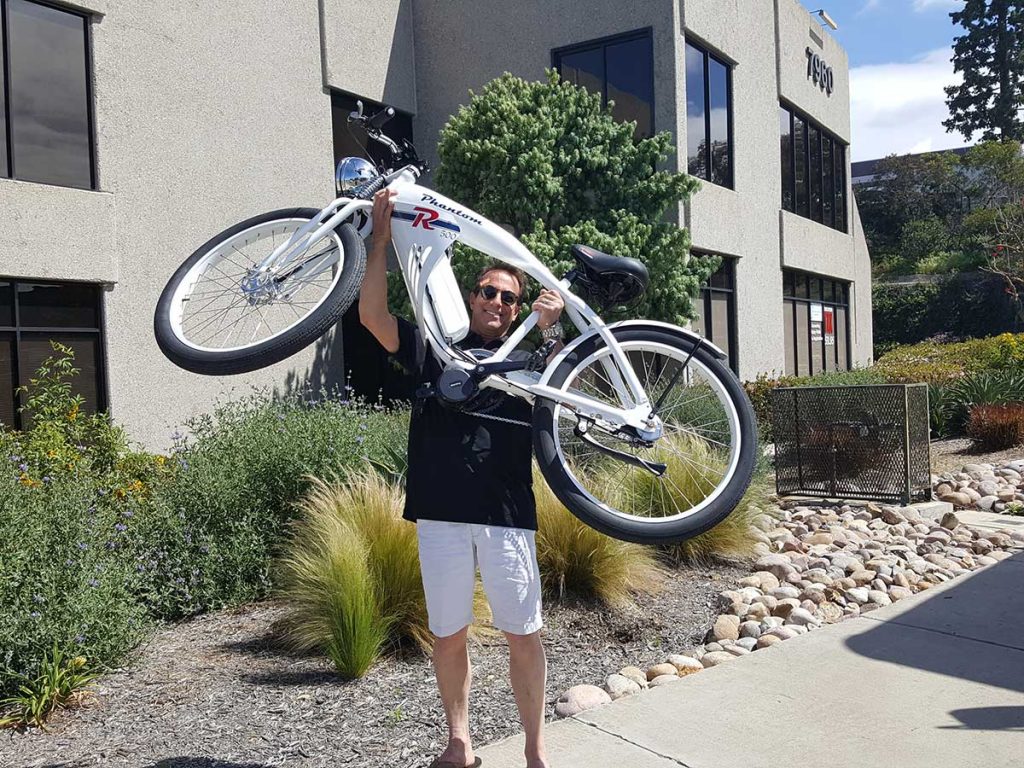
58	305
786	157
696	138
816	314
800	164
716	311
718	92
708	117
6	304
630	75
828	182
49	95
814	172
813	168
621	69
35	348
68	313
366	366
585	69
352	141
800	286
4	168
839	163
7	380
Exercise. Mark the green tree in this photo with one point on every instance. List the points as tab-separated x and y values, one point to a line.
1007	258
990	54
548	161
909	188
995	173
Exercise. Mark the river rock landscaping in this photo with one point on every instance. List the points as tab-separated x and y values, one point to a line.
995	487
819	565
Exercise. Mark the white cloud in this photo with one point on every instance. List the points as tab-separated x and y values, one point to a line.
946	5
899	108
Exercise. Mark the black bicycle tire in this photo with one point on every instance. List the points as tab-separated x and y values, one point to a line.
651	531
274	350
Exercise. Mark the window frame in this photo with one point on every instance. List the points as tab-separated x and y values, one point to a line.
102	383
729	263
730	122
790	301
10	171
602	43
839	215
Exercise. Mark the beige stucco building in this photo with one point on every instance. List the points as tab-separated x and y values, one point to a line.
166	122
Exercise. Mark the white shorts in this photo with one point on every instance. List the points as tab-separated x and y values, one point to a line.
507	557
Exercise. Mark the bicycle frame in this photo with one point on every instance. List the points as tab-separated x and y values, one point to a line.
424	227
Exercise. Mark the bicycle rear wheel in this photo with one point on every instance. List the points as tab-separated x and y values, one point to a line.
218	316
707	448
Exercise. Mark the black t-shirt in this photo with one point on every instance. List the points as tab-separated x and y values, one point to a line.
465	468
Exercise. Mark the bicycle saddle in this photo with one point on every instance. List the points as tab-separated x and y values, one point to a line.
619	278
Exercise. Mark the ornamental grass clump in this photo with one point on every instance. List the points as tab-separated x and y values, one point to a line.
694	468
731	539
574	559
351	573
329	583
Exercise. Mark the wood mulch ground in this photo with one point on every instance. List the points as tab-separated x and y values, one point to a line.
951	455
218	692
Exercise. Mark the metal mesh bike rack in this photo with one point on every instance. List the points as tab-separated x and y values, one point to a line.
857	442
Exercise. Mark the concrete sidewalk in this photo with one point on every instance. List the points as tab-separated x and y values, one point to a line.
932	681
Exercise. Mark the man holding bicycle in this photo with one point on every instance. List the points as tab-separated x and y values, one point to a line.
486	517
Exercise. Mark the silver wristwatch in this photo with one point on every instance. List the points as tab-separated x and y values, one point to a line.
553	332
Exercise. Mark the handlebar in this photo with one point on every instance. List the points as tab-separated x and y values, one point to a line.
401	154
378	120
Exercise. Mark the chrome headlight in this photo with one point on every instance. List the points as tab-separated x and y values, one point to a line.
351	172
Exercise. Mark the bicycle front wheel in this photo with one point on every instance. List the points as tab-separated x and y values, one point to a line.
652	492
219	315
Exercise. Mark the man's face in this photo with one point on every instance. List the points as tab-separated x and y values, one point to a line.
491	318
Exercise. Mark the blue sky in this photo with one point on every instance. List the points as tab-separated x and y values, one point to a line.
899	53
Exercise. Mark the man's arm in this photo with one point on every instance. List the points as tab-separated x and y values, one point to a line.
373	296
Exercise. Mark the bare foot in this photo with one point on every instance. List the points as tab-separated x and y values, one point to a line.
456	755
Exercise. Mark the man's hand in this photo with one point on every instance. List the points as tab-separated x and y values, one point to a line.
373	294
550	306
382	209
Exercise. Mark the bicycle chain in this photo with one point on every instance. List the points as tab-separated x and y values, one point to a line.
500	418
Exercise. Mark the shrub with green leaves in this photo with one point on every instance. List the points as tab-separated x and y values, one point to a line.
937	362
218	525
760	390
68	484
549	161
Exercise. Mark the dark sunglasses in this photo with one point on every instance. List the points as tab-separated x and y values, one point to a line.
508	298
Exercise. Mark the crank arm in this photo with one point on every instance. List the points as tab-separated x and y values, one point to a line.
655	468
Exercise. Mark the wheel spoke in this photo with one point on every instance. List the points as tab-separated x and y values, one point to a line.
699	441
216	311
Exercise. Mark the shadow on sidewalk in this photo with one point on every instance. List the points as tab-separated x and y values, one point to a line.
984	614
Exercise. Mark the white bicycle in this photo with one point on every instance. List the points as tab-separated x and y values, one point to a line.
639	427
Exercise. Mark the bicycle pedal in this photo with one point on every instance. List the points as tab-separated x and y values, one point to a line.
539	358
